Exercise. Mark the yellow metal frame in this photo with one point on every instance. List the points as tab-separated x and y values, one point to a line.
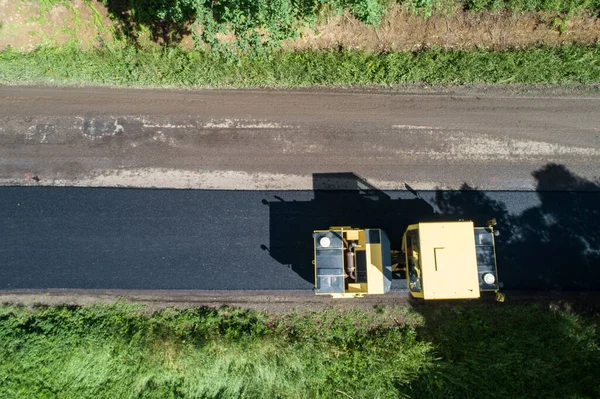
373	256
458	279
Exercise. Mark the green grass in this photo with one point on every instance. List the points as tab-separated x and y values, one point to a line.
440	351
565	6
178	68
255	59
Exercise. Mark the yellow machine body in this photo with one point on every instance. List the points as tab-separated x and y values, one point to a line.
450	260
351	262
443	260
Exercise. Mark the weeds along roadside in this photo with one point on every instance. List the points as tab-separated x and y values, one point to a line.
172	67
237	43
124	350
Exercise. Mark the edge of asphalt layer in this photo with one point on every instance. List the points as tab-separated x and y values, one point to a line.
229	180
277	300
243	181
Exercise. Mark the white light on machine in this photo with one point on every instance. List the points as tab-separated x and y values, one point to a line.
489	278
325	242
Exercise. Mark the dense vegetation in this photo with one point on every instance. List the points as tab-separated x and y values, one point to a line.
174	67
263	24
237	43
460	351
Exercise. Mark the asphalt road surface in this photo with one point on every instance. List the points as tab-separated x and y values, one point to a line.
259	139
98	238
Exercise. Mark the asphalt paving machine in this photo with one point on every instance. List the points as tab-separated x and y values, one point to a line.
440	260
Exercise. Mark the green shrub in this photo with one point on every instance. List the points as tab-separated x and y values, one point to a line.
261	25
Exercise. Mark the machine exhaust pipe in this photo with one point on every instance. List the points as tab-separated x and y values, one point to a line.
350	265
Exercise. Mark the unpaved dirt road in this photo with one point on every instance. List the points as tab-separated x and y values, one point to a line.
257	139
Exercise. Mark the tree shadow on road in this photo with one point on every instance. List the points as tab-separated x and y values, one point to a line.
552	246
481	349
340	199
519	349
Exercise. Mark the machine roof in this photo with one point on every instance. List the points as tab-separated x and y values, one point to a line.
448	260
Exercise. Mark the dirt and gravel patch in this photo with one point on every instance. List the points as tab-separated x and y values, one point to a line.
26	25
402	30
276	301
271	301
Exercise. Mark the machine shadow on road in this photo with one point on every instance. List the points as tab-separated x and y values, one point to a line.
552	246
340	199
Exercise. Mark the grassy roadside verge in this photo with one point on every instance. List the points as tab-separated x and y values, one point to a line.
438	351
128	66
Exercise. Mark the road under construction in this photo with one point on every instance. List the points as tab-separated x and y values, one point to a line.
112	191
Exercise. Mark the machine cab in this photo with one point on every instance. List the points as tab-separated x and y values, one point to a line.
450	260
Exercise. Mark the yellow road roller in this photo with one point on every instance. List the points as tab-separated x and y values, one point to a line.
440	260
